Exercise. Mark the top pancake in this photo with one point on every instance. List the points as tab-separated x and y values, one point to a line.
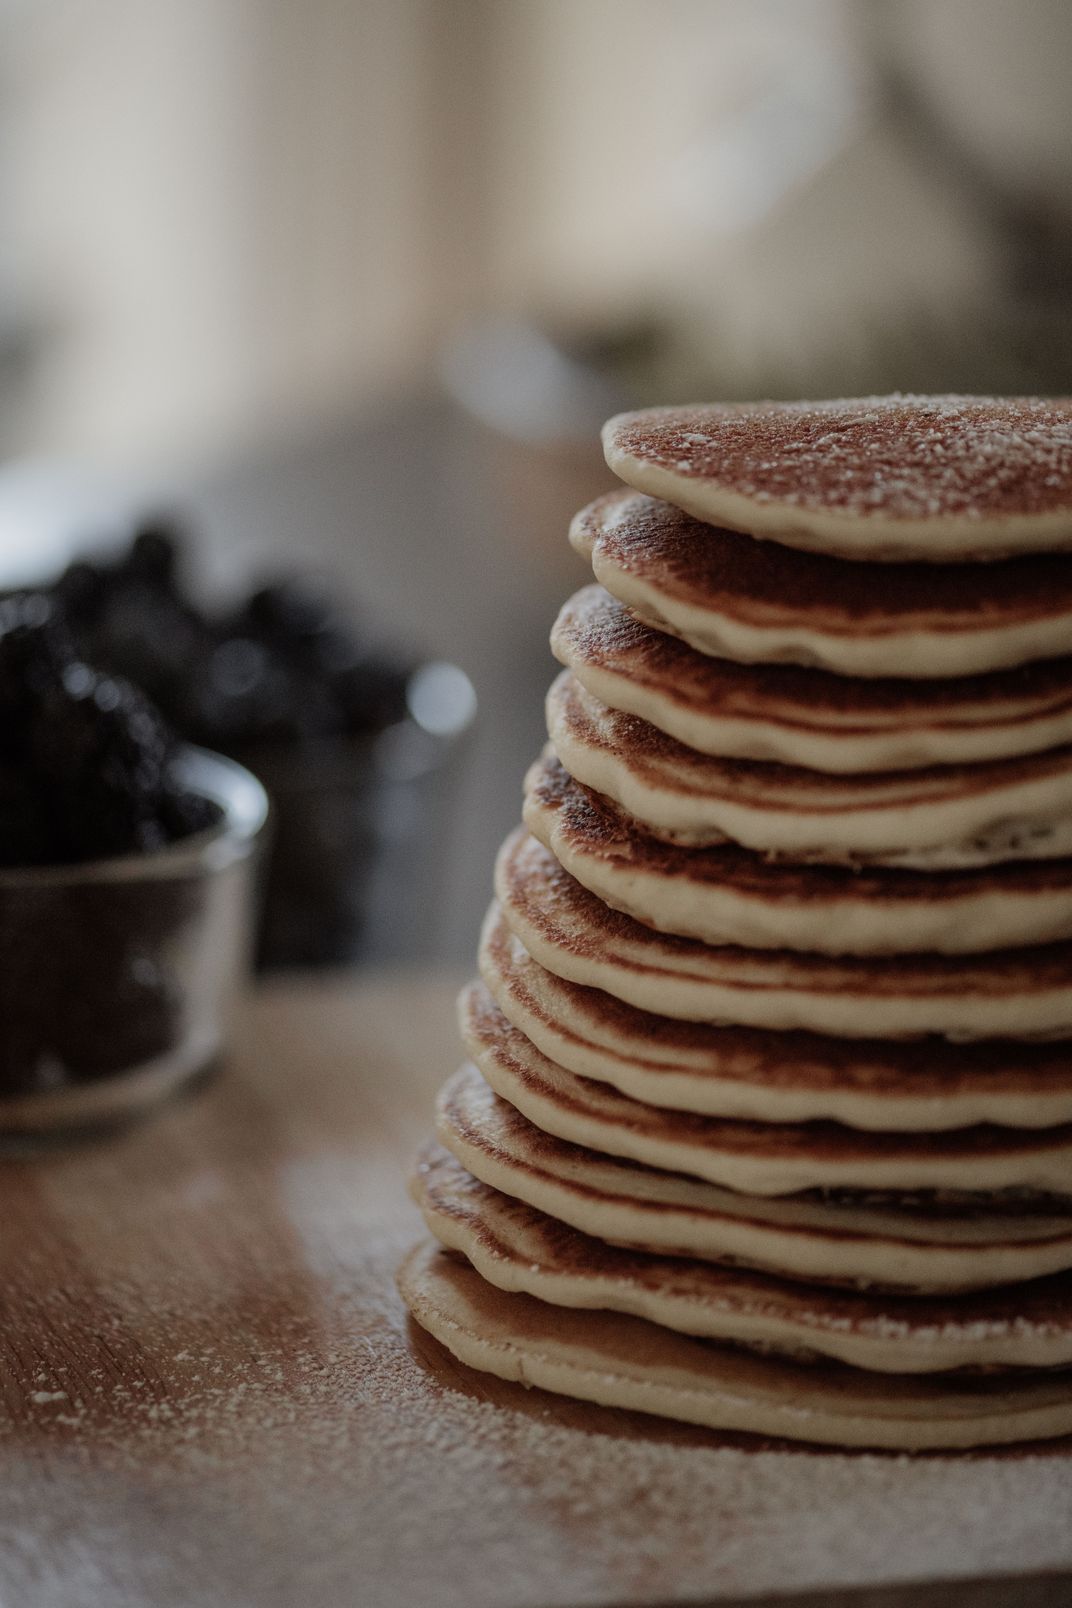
897	477
755	602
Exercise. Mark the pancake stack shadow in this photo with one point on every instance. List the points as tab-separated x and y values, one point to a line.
767	1121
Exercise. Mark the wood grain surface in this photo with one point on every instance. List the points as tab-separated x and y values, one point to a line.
211	1394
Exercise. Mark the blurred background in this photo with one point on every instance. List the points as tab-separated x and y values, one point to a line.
344	288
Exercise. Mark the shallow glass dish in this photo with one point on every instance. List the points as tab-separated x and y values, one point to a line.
361	832
118	976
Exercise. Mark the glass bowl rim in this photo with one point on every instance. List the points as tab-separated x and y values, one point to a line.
244	808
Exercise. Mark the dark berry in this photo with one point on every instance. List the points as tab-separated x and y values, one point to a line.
154	554
81	591
25	837
291	613
238	692
335	651
100	753
371	694
146	637
34	648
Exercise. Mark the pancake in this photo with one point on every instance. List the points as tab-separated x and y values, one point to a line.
724	894
932	1248
925	1085
757	1158
955	815
896	477
621	1361
1008	993
760	602
520	1249
805	717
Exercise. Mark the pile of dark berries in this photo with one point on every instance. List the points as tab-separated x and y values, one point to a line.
98	670
101	675
100	667
284	665
87	772
87	765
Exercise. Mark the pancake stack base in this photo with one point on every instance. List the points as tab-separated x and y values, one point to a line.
766	1121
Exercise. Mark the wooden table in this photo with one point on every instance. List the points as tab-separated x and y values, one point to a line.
212	1395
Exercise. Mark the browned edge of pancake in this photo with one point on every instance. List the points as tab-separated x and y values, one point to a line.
595	826
780	1060
595	632
509	1230
493	1041
530	880
910	459
766	584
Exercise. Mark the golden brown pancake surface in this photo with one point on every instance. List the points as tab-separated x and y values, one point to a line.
519	1248
800	716
724	893
926	1084
978	813
907	1245
1019	993
762	1158
755	601
893	477
627	1362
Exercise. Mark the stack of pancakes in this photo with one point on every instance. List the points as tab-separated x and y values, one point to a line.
768	1118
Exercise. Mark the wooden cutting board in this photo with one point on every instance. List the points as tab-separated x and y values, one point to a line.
212	1394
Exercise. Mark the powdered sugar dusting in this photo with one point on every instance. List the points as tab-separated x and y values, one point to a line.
908	457
360	1463
636	1508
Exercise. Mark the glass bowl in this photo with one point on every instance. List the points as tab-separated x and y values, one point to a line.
118	976
361	833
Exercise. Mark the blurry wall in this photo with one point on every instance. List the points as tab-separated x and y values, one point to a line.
603	185
223	216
